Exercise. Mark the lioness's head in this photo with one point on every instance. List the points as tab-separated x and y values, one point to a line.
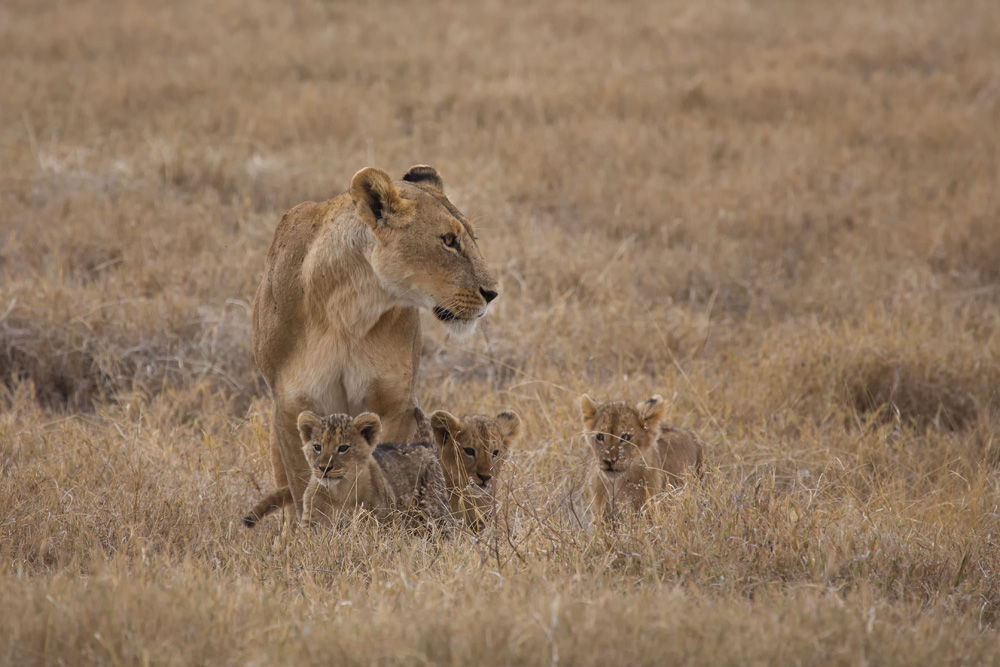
620	433
338	447
473	447
425	251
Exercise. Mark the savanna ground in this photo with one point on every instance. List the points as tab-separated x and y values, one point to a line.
783	216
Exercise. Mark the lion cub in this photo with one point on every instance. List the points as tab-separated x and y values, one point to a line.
635	457
472	451
348	471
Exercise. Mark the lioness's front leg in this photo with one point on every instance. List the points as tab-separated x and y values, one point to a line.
286	448
398	424
392	350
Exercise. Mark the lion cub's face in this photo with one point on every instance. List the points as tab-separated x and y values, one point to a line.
620	433
474	447
426	252
337	447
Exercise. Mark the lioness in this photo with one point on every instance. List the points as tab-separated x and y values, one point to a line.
335	326
473	450
349	471
635	457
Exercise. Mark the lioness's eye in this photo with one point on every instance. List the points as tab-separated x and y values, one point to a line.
343	448
626	436
599	437
318	447
451	241
470	451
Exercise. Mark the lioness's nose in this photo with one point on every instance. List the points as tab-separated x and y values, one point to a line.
488	294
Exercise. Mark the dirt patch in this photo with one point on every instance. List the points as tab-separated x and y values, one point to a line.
71	369
922	393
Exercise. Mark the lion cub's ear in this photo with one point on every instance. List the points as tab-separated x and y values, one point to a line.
588	408
509	424
375	197
369	426
444	424
309	425
651	410
424	175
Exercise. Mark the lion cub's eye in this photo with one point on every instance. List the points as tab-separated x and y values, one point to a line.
599	437
626	436
317	447
452	241
470	451
343	448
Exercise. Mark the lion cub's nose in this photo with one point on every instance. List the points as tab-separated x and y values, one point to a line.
488	294
485	478
609	463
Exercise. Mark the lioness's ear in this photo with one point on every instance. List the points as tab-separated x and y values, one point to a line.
375	196
369	426
309	424
424	174
509	424
651	411
444	424
588	407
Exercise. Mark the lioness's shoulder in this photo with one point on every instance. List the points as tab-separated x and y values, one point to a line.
301	223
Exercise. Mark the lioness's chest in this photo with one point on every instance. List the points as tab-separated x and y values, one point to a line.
320	378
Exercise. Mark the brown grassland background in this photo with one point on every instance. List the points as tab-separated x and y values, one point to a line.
783	216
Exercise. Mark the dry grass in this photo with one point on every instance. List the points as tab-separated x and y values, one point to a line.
783	216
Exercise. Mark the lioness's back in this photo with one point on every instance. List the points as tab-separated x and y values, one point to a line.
279	295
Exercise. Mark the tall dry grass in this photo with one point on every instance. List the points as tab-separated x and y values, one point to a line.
783	216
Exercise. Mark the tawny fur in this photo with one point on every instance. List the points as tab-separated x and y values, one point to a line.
335	323
634	456
348	472
473	449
